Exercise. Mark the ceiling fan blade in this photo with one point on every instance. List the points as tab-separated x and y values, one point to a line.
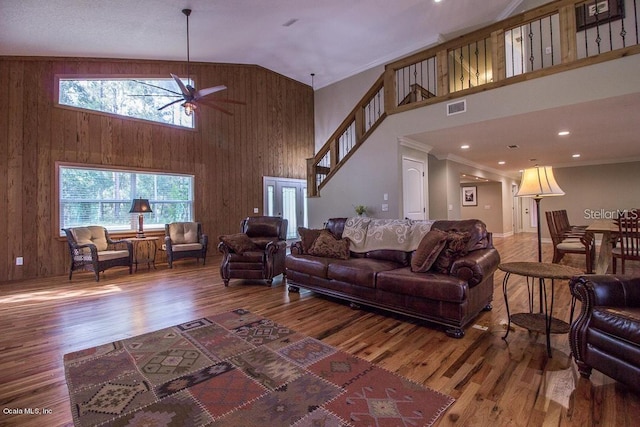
171	103
208	91
215	107
158	94
158	87
185	92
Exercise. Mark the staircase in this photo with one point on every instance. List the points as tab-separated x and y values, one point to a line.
553	38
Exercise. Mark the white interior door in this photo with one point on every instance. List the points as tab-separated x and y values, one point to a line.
286	198
413	189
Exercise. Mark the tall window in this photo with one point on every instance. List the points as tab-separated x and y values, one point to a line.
138	98
101	196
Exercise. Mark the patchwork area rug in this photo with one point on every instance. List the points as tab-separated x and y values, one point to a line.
239	369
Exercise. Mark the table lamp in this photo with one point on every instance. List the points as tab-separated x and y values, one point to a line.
140	206
539	182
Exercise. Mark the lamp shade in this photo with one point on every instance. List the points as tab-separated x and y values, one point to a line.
140	206
538	182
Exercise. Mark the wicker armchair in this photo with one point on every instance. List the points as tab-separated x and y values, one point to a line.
91	248
185	240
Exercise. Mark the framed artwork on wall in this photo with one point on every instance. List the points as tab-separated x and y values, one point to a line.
595	12
470	196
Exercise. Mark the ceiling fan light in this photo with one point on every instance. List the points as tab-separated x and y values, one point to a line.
189	108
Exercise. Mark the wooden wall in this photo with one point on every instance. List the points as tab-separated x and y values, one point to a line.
272	135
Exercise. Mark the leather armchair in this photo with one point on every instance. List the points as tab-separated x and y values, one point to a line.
606	334
185	240
264	258
91	248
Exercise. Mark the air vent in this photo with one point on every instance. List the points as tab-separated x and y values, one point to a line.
457	107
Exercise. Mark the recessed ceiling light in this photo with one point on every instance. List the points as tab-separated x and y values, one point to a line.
501	162
564	133
464	147
576	156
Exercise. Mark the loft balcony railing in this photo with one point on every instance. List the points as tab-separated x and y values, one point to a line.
556	37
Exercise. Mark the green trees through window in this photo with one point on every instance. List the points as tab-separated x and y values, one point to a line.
94	196
138	98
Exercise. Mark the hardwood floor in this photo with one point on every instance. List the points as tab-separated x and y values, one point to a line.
495	382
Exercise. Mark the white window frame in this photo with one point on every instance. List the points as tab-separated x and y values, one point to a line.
127	222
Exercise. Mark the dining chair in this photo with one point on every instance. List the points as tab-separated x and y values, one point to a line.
628	242
562	219
570	242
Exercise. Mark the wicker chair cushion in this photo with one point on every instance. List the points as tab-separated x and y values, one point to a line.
183	232
91	234
186	247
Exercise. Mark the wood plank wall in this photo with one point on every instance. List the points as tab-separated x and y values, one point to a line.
272	135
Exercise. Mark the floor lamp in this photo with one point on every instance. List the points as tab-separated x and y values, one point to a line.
539	182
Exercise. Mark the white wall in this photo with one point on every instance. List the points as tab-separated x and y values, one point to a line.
592	190
332	103
373	169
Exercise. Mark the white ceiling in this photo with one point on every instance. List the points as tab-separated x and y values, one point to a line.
333	39
603	131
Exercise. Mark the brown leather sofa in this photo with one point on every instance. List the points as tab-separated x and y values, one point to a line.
606	334
264	256
384	279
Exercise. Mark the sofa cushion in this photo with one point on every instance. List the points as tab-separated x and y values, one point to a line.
307	237
92	234
308	264
183	232
455	247
359	271
478	236
326	245
401	257
428	250
238	242
435	286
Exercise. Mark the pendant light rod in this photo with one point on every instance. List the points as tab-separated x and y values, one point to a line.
187	12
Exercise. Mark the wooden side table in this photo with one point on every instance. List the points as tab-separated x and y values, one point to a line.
144	250
544	320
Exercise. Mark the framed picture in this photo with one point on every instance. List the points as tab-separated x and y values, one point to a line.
470	196
595	12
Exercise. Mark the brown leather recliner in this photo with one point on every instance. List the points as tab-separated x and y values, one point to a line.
264	256
606	334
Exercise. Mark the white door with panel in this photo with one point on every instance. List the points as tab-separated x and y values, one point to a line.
287	198
413	189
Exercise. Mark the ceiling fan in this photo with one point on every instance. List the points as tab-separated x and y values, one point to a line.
191	97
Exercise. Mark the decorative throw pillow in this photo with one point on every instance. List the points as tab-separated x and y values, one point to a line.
455	247
428	250
307	237
239	243
326	245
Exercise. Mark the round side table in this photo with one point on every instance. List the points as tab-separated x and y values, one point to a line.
544	320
